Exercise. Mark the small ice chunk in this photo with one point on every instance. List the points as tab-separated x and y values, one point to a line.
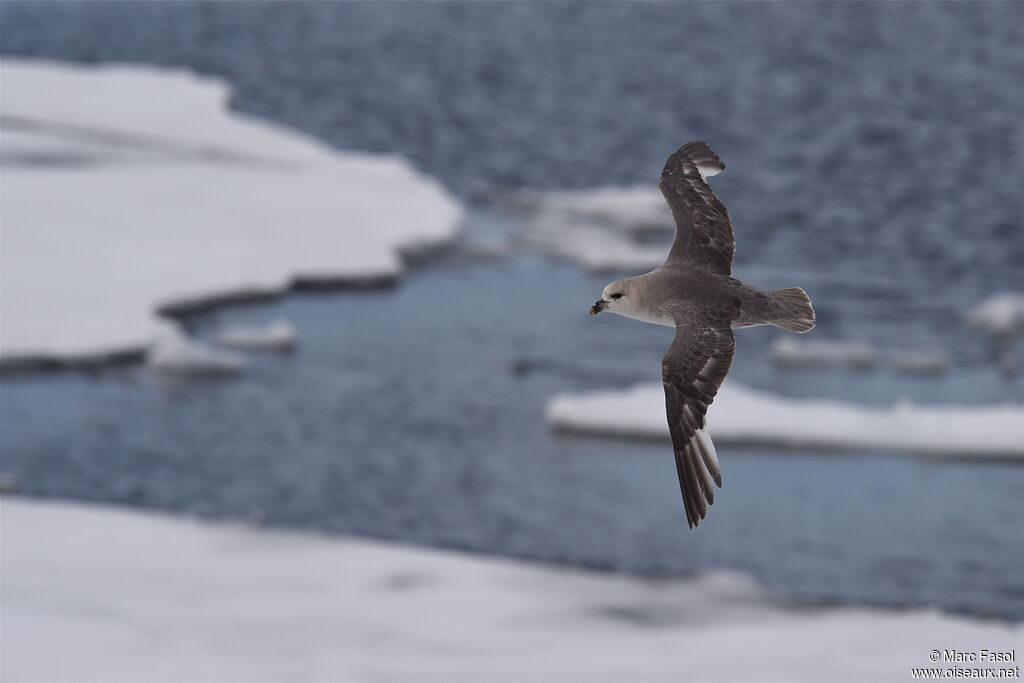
277	335
921	362
602	228
790	352
8	484
175	353
999	315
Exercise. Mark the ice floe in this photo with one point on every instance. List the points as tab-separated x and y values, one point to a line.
795	353
278	334
788	351
923	362
743	415
130	189
93	593
601	229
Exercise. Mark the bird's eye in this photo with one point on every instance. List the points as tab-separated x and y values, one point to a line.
617	295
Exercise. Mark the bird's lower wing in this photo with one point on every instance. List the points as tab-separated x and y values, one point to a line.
692	370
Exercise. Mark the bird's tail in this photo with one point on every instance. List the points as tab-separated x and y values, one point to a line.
795	312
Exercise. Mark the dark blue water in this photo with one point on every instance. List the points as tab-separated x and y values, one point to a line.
416	414
874	154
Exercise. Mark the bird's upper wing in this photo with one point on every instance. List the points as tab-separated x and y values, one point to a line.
692	370
703	229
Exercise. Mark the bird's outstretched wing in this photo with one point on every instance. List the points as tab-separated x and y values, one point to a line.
703	229
692	370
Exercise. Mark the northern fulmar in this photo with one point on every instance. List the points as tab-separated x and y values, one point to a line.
693	291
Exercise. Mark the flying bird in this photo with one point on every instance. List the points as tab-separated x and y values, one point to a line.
694	292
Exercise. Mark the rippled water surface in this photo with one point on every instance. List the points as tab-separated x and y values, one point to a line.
873	158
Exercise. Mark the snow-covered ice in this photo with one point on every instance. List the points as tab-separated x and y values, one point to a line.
598	228
278	334
621	208
175	353
93	593
128	189
788	351
793	353
999	315
744	415
921	362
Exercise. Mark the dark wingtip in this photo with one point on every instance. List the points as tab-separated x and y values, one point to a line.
698	153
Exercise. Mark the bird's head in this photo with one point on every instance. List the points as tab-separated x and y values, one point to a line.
614	295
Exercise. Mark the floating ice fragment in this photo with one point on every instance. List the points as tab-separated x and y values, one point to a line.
999	315
824	352
278	335
175	353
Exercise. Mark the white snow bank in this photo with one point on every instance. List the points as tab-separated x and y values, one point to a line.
743	415
175	353
106	594
278	334
125	189
1000	315
787	351
598	228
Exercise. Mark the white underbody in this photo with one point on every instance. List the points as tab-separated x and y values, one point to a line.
655	317
658	317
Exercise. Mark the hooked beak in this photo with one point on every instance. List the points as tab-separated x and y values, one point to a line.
598	306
